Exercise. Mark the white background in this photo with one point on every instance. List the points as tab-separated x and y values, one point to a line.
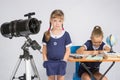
80	18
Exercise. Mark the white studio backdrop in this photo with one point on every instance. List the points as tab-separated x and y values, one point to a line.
80	18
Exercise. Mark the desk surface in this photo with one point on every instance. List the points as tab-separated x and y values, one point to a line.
109	58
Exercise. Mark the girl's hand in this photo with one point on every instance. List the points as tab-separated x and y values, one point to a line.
95	52
98	52
102	52
45	60
65	60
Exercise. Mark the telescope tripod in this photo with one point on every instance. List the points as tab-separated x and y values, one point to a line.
28	60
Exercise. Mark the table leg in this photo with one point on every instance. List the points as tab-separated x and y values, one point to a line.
91	75
107	70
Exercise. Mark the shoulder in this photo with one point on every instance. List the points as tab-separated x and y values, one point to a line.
88	42
66	33
103	44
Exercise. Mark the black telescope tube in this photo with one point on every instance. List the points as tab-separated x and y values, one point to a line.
19	28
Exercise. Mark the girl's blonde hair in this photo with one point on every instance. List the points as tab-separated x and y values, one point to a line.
97	31
55	14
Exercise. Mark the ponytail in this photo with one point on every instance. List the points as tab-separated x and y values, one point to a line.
47	34
97	31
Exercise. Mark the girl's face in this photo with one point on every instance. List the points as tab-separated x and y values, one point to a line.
57	23
96	41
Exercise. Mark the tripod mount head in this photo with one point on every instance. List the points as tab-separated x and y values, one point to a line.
31	43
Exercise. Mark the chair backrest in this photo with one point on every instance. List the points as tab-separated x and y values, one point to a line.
77	64
74	48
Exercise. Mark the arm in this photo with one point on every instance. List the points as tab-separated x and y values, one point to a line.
44	52
67	45
107	48
82	50
67	53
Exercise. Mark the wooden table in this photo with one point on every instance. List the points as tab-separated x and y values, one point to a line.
112	57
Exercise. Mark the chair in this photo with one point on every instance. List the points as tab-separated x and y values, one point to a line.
77	64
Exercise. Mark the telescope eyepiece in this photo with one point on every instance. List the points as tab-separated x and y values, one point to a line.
29	14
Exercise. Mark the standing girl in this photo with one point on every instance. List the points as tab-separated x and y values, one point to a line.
56	47
93	46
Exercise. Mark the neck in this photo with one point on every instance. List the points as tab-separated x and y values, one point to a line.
56	31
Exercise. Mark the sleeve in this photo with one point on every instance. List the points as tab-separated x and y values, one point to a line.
43	40
87	44
104	45
68	41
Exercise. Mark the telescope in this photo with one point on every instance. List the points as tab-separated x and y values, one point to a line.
17	28
24	28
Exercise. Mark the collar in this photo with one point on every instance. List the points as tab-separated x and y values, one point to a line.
57	36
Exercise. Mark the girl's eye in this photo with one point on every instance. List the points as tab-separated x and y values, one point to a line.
54	20
60	20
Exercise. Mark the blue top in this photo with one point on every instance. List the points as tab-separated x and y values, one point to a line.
57	44
88	45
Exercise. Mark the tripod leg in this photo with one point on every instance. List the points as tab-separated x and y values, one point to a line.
28	70
35	69
15	69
